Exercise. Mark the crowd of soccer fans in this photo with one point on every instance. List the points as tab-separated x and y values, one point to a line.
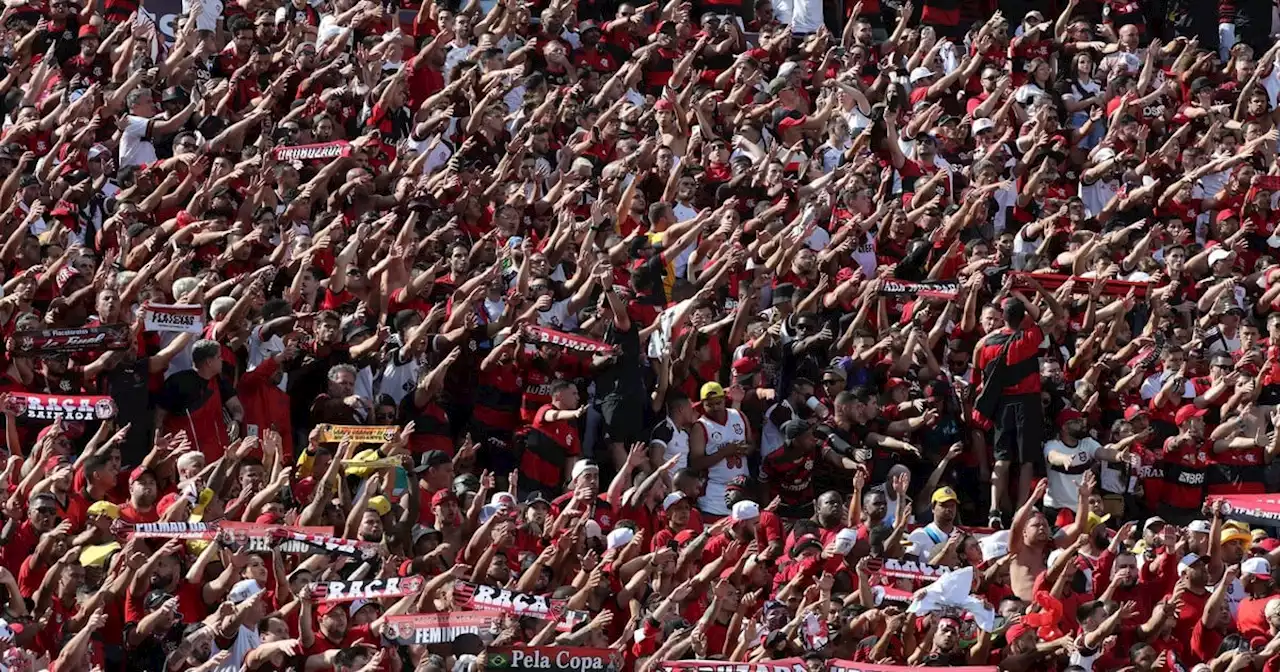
366	336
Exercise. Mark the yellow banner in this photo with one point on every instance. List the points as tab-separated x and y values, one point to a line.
358	433
380	463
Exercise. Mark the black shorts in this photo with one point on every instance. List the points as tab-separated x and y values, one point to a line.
623	419
1019	430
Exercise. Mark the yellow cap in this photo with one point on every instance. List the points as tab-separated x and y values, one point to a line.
380	504
711	390
1258	535
1234	534
104	509
1235	524
96	556
1095	520
944	494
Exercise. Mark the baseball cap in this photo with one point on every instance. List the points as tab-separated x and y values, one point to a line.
1133	411
1230	534
1188	560
944	494
1256	567
745	510
429	459
592	530
536	497
1218	254
711	390
583	466
104	509
383	505
244	590
804	542
441	497
1017	630
420	531
1187	412
920	73
1201	526
1067	415
619	538
1152	521
982	124
672	499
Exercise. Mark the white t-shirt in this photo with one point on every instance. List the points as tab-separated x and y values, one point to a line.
1064	483
924	539
135	143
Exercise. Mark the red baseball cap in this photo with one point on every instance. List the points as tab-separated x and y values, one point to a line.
1067	415
1187	412
1133	411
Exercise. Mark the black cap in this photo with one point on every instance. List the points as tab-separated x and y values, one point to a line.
174	94
155	598
794	429
1200	83
429	459
536	497
27	180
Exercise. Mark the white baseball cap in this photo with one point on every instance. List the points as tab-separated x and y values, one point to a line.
982	124
1258	567
1201	526
1218	254
672	499
583	466
1186	561
920	73
592	529
619	538
746	510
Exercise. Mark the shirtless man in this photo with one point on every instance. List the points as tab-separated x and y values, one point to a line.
1029	543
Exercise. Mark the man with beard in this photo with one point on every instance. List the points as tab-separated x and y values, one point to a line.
1251	617
1071	455
857	431
143	493
163	572
944	504
743	521
1185	464
336	633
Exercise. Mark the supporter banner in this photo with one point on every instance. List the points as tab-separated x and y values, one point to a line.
36	341
259	537
1052	281
534	334
571	620
797	665
350	591
358	433
323	150
553	658
172	317
175	530
780	665
380	463
413	629
850	666
900	569
64	407
473	596
930	289
329	543
890	594
1261	510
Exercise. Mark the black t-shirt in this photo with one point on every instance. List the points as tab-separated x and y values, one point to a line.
151	654
187	392
127	385
624	378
